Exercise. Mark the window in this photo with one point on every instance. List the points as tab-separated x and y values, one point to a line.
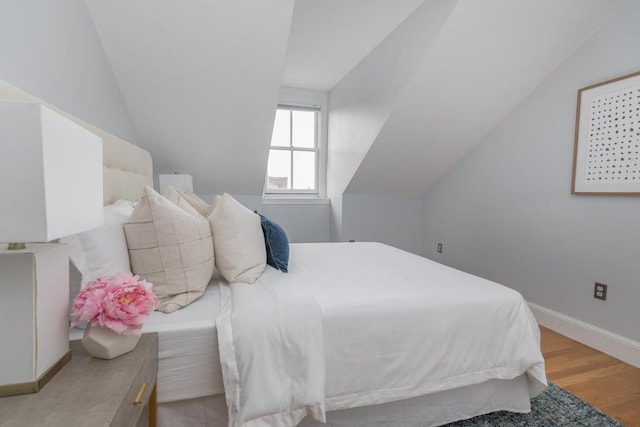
294	154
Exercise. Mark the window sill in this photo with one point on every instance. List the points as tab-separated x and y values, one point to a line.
294	200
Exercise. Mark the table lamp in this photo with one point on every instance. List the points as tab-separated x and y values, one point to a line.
180	181
50	187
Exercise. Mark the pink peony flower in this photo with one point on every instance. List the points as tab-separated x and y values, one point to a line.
120	302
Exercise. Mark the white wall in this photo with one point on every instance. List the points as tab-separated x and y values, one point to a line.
302	221
360	103
394	219
505	212
52	50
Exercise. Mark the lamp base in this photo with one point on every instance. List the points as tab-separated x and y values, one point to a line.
34	315
35	386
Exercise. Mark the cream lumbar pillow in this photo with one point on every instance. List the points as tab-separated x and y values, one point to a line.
99	252
196	202
238	240
102	251
170	245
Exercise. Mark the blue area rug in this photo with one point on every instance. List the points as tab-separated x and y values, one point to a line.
551	408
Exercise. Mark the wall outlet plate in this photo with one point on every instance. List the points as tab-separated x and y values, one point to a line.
600	291
439	248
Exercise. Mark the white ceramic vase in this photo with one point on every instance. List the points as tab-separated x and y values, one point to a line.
103	343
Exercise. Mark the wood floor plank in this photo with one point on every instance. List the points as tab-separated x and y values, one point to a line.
600	380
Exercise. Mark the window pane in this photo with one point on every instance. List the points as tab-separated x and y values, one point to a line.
279	170
281	129
304	170
304	129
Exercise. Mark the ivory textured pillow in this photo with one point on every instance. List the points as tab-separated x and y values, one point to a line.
238	240
171	247
178	199
196	202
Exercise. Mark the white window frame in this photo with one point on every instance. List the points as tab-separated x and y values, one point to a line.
300	99
292	149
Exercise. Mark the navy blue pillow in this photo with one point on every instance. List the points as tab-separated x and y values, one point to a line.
277	244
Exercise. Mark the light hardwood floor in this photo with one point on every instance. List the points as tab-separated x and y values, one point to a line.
601	380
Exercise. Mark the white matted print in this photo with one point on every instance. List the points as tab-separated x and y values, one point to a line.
606	157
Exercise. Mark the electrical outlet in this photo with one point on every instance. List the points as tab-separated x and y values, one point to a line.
439	248
600	291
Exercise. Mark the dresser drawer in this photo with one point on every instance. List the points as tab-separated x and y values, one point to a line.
138	394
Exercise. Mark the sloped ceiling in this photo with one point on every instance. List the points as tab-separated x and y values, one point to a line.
201	82
329	38
201	78
361	103
488	57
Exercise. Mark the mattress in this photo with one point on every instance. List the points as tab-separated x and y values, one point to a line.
188	357
189	362
421	326
394	326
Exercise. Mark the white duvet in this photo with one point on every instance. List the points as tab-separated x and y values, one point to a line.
355	324
271	353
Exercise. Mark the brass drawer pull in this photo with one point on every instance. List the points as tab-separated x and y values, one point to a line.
143	387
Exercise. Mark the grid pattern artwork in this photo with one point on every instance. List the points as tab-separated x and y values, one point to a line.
607	140
614	129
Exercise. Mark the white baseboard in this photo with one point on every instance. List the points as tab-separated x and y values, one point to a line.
607	342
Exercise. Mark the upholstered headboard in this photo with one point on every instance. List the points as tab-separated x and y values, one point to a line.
127	168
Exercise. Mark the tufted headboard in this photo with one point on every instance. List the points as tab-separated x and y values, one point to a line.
127	168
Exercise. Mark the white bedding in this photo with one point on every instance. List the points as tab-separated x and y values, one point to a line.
270	340
188	357
396	325
434	409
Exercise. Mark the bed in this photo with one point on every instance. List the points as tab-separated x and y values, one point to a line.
388	338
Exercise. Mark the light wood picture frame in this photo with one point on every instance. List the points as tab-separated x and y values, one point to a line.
606	156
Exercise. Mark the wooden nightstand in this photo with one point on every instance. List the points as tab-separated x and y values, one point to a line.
90	392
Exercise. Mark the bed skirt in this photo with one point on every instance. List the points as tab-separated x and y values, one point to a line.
430	410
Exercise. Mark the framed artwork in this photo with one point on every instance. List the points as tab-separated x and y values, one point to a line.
606	157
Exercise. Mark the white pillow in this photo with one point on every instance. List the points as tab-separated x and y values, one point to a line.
238	240
102	251
177	199
171	247
198	204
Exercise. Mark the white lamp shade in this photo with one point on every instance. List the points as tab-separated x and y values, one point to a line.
50	175
179	181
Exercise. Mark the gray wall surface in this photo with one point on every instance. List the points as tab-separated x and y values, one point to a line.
303	222
362	101
505	212
52	50
394	219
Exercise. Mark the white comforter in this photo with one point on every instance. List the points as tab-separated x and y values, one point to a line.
271	353
392	325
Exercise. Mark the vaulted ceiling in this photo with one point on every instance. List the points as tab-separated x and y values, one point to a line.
487	58
201	82
329	38
201	78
